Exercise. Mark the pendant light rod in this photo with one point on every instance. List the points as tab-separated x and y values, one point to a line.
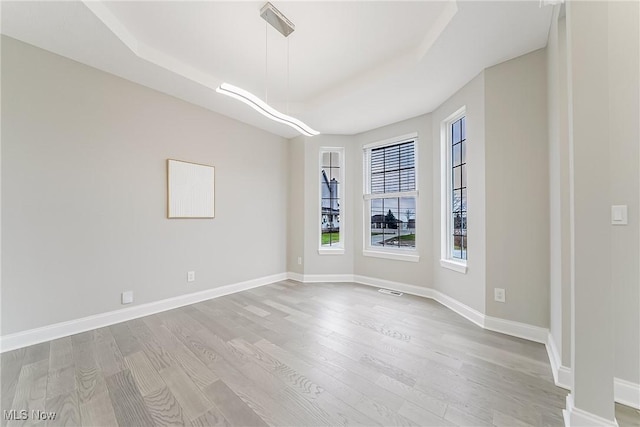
280	22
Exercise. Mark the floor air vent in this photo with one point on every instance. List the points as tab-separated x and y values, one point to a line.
390	292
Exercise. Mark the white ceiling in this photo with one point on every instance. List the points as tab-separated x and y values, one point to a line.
353	65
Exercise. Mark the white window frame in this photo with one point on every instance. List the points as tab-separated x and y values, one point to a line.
339	248
399	254
446	260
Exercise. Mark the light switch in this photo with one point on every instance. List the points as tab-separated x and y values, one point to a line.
619	215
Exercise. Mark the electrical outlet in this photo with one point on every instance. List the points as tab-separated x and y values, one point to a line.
127	297
191	276
299	260
499	294
619	215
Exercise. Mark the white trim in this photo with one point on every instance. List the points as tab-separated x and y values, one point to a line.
298	277
565	377
446	186
389	141
454	265
388	252
63	329
331	251
328	278
394	286
462	309
626	392
516	329
562	376
339	249
395	255
580	418
554	356
390	195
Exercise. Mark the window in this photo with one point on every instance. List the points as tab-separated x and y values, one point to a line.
331	181
454	192
390	197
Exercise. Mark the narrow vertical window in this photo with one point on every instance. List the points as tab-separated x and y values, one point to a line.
454	192
459	190
331	203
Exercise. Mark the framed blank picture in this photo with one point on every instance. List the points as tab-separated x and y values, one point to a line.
190	190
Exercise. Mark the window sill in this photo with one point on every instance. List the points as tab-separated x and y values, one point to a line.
398	256
333	251
454	265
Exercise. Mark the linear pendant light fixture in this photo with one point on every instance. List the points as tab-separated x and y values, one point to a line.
278	21
265	109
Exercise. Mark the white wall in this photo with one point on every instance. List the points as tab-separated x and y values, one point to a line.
517	189
407	272
467	288
559	220
84	193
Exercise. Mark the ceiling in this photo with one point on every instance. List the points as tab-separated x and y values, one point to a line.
348	67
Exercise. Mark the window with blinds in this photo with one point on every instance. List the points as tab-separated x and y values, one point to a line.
393	168
391	195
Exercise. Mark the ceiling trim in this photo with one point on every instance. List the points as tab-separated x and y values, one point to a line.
441	23
402	61
161	59
148	53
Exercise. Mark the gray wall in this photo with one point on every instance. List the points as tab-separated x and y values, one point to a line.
624	182
467	288
314	263
295	211
589	133
413	273
517	189
624	114
84	193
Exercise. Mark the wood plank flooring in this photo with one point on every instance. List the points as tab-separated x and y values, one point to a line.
289	354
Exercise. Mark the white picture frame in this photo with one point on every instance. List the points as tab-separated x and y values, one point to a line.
190	190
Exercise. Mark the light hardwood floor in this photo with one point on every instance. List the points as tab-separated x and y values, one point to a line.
289	354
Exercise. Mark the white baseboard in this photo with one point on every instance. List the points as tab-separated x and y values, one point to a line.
463	310
576	417
565	377
554	356
561	374
328	278
516	329
63	329
295	276
396	286
626	392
